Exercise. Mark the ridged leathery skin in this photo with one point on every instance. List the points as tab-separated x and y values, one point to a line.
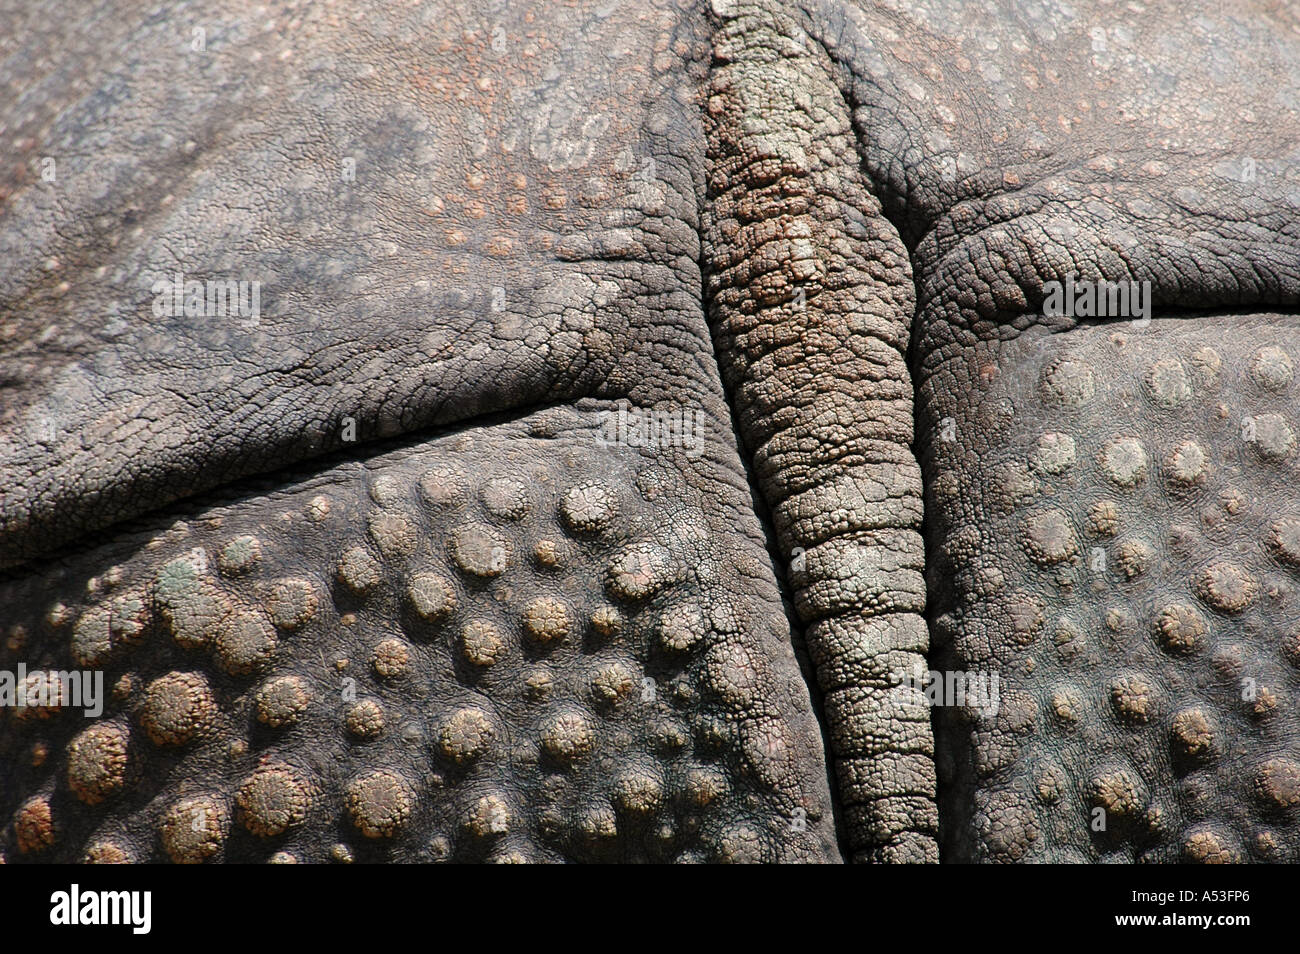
810	297
512	645
369	585
454	211
1117	535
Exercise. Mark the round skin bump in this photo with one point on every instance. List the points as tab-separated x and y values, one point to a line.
1272	369
1284	540
178	708
490	817
466	736
272	800
641	571
1054	454
1133	558
1270	436
588	508
1226	587
1179	628
506	498
240	555
1186	466
365	719
548	621
681	628
1119	792
388	491
359	571
391	659
612	685
1166	383
479	551
97	761
432	596
1277	784
1206	845
245	643
606	622
1134	699
551	554
1194	735
393	534
1068	382
442	487
481	643
1103	518
379	803
106	853
318	508
637	793
566	737
291	603
1049	537
1123	461
45	694
282	701
34	826
194	830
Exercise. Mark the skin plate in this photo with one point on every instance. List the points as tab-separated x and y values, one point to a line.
515	643
1116	536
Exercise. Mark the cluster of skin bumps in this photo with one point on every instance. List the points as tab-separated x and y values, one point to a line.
514	644
1116	554
494	658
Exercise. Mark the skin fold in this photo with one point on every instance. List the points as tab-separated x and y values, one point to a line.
641	400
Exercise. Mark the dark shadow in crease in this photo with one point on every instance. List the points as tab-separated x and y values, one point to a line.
299	476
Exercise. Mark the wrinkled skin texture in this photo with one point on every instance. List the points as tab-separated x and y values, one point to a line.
381	575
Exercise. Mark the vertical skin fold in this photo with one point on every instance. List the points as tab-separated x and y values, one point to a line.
811	299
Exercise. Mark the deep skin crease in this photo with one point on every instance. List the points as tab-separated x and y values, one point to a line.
366	576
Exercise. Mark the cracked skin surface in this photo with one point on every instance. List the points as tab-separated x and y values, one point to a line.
478	229
511	645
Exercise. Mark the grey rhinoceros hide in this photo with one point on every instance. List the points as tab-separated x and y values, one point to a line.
621	431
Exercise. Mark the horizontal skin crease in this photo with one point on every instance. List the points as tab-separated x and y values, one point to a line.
508	643
1011	146
1011	150
444	224
501	707
810	296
